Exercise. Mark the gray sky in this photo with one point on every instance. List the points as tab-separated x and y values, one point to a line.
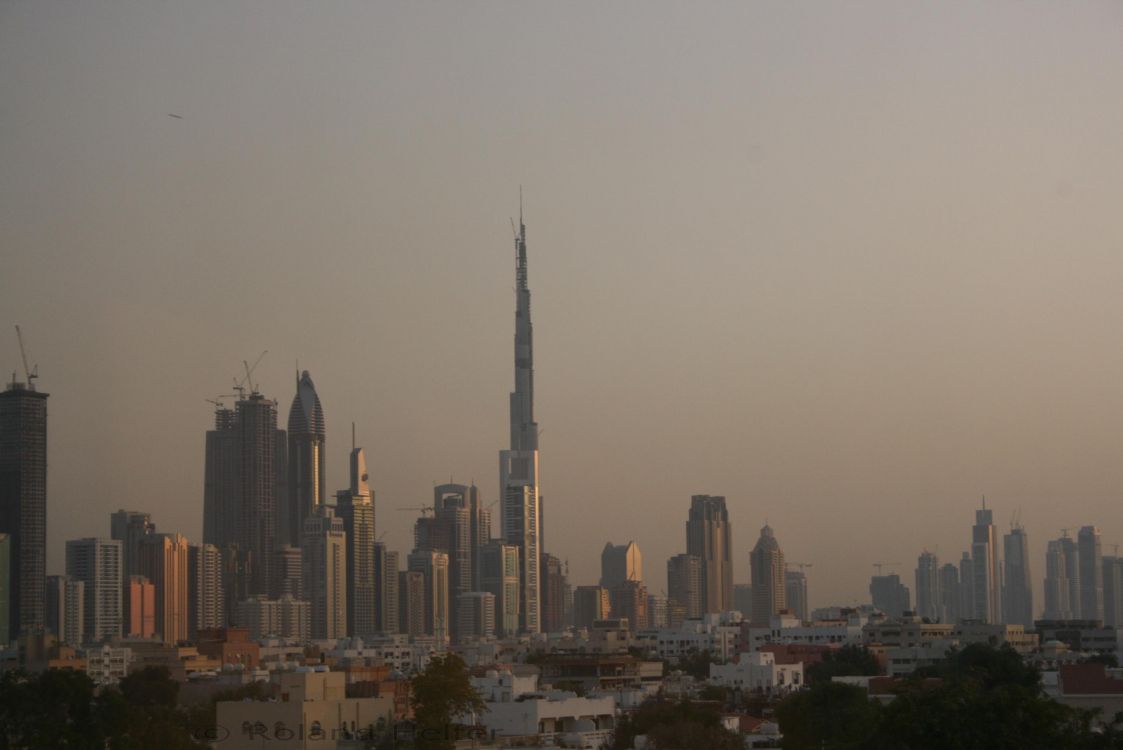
850	264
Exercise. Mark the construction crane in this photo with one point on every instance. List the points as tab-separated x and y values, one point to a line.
880	565
29	374
240	385
800	565
218	405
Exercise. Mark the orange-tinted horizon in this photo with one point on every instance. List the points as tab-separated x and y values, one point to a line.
851	267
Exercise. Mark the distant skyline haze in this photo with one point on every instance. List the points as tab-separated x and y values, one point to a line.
848	266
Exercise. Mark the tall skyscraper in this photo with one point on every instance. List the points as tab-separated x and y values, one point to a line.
140	593
709	537
1058	602
590	603
23	503
554	594
966	587
499	575
518	466
97	564
795	594
769	594
928	586
984	559
1091	573
245	478
66	599
1017	586
629	602
456	529
411	603
205	598
306	481
324	558
386	588
1113	591
477	615
356	507
163	560
950	596
5	587
684	583
890	595
620	563
433	567
130	527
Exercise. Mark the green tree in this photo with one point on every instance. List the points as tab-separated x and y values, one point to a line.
848	660
829	715
150	686
673	725
440	694
697	663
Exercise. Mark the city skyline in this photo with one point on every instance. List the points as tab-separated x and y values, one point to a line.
884	317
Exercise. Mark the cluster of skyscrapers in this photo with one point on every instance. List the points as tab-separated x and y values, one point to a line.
985	586
280	556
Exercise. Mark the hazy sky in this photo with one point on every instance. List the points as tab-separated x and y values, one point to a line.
851	265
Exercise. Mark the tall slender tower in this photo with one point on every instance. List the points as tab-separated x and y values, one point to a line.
984	559
710	538
518	466
928	586
769	591
1017	589
1091	573
23	502
306	461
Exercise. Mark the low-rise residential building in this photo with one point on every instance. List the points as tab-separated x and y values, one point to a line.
758	673
312	712
108	665
1089	636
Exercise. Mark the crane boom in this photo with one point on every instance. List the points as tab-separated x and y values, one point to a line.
29	374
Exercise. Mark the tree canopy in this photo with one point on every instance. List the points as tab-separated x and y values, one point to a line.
440	694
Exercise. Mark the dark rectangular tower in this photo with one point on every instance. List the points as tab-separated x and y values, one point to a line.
23	503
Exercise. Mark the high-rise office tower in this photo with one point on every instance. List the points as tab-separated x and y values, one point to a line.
1113	591
554	585
288	573
1058	605
949	593
5	587
518	466
130	527
795	594
97	564
657	611
23	503
433	566
499	575
454	530
966	587
1017	586
306	481
324	558
245	479
987	605
629	602
386	589
205	598
684	583
356	507
768	577
140	593
709	537
411	603
1091	573
928	586
890	595
620	563
65	608
476	610
163	560
357	514
590	603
